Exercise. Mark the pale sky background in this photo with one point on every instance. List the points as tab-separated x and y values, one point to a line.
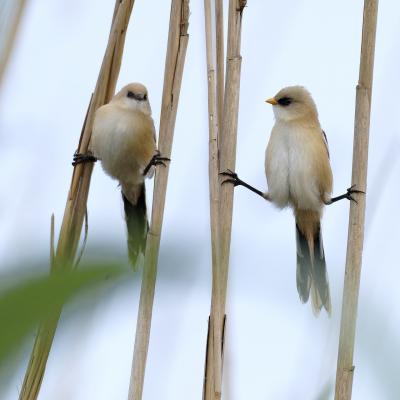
275	349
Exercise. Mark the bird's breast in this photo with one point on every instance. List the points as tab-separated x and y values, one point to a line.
124	141
290	161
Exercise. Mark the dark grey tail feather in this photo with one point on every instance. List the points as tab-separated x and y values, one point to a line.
320	276
303	272
311	272
137	226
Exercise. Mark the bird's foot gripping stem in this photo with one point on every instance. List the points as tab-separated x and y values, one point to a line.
347	195
233	178
83	158
156	160
236	181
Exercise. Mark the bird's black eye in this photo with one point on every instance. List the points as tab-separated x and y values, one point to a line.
138	97
285	101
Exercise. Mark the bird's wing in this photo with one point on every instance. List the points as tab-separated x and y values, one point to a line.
153	130
325	142
102	125
154	134
147	126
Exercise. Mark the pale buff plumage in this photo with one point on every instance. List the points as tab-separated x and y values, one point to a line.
297	162
124	139
299	174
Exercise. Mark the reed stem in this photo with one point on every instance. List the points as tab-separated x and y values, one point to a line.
175	59
75	208
213	366
345	368
226	139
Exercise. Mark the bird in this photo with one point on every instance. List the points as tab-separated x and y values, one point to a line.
124	140
299	176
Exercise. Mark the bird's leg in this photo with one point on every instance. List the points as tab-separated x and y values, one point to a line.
347	195
83	158
155	160
236	181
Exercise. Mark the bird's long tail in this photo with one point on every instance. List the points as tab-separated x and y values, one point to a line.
311	267
137	226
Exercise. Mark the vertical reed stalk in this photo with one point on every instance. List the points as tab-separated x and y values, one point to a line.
213	367
227	133
219	40
345	368
77	198
227	139
176	51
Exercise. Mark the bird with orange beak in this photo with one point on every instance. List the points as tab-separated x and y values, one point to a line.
299	176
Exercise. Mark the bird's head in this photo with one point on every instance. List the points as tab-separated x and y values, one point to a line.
293	103
134	97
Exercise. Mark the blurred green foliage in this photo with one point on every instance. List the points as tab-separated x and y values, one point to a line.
31	299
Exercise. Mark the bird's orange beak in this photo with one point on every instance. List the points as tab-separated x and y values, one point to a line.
271	101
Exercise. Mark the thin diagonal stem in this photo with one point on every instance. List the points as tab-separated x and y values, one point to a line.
178	39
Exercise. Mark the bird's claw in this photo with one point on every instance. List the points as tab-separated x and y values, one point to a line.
350	191
156	160
233	181
158	157
236	181
79	158
229	172
233	178
160	161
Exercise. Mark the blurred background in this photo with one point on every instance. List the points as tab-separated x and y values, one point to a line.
275	347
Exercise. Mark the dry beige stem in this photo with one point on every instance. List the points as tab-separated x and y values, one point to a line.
220	69
177	44
227	133
345	368
77	198
213	365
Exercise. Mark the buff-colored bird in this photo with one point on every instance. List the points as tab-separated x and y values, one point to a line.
124	140
299	176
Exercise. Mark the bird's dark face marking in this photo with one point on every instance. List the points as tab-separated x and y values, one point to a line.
136	96
285	101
